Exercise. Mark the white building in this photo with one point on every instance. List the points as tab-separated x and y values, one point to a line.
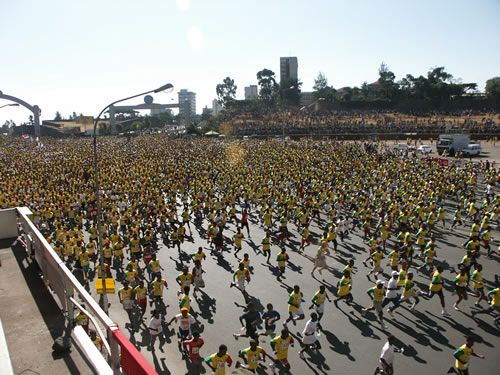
216	107
251	92
288	68
187	105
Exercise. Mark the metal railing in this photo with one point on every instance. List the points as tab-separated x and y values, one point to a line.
124	358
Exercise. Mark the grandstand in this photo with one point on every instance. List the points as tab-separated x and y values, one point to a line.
297	122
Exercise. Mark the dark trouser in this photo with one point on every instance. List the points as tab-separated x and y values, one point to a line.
395	302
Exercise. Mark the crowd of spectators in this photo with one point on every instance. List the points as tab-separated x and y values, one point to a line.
357	121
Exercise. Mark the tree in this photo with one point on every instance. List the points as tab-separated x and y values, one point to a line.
492	89
321	88
268	92
58	116
226	91
388	87
193	130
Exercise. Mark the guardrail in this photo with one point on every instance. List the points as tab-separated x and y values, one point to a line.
124	358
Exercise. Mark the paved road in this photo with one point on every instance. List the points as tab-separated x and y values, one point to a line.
351	342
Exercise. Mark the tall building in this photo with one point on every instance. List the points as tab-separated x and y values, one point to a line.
251	92
187	105
216	107
288	68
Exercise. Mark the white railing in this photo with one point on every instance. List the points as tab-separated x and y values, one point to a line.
123	356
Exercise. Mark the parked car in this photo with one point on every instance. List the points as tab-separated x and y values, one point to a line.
424	149
472	149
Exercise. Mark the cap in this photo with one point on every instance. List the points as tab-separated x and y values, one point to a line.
380	282
395	273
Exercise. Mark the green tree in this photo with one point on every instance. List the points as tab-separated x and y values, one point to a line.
226	91
322	89
269	89
492	90
193	130
165	118
58	116
387	87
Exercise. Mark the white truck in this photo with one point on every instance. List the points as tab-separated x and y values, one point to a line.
452	143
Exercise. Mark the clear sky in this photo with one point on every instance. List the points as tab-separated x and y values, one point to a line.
80	55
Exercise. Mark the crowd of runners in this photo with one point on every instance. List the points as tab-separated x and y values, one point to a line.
157	193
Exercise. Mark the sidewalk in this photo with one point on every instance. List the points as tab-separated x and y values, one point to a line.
31	318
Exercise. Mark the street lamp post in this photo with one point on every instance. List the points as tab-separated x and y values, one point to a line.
166	87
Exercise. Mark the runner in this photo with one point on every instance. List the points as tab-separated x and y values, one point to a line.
409	291
156	330
436	287
237	237
377	294
280	345
251	356
462	356
252	319
376	259
218	361
344	287
197	273
266	246
387	357
494	297
461	287
125	295
270	317
241	275
184	279
158	284
478	283
318	302
192	350
391	295
281	258
295	311
309	335
141	297
320	260
186	321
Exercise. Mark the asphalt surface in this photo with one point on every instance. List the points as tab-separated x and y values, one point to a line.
351	342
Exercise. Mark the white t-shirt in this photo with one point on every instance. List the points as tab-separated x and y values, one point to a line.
309	333
185	323
393	283
387	353
155	325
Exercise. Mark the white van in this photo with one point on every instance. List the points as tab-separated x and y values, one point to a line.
472	149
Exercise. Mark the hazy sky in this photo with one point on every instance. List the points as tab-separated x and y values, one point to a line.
80	55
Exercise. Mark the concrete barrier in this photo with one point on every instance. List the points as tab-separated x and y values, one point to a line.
8	223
